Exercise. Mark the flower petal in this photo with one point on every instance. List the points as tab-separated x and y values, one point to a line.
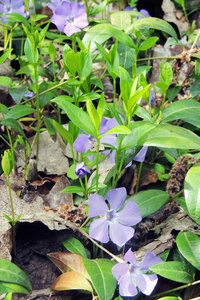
98	206
70	29
127	287
81	21
119	270
146	283
82	141
59	21
149	260
120	234
99	230
140	156
129	215
130	256
116	197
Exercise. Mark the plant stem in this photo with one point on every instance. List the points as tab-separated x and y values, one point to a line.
138	179
38	113
13	215
97	165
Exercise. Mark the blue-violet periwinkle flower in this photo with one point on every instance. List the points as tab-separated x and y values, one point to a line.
84	141
53	4
142	11
69	17
152	98
81	170
131	275
29	95
11	6
113	222
140	156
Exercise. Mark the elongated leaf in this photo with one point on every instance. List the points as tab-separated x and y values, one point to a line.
5	55
118	129
8	297
79	117
192	192
12	288
71	281
138	129
149	201
173	270
10	273
147	44
186	110
15	17
65	134
72	189
94	116
17	93
154	23
169	136
101	276
14	124
169	298
74	246
102	32
19	111
5	80
188	244
68	262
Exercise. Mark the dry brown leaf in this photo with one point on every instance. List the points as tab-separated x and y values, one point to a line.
71	281
68	262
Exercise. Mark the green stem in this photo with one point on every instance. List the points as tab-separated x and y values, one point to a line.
176	289
114	95
74	43
97	165
13	215
138	179
38	113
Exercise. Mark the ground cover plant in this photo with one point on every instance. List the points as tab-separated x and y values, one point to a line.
60	62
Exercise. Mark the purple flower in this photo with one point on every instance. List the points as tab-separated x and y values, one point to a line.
131	275
113	222
29	95
152	98
84	141
53	4
140	156
81	170
69	17
142	11
11	6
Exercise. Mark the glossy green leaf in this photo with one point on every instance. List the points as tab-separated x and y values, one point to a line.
8	297
174	270
119	130
126	83
170	136
65	134
154	23
72	189
166	73
74	246
5	80
149	201
94	116
97	9
52	51
15	17
170	298
147	44
10	273
19	111
71	62
12	288
186	110
7	162
101	276
5	55
188	244
138	129
192	192
121	19
79	117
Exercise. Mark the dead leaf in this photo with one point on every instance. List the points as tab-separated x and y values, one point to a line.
68	262
72	281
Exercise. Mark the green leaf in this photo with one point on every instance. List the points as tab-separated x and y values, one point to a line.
15	17
79	117
71	62
74	246
12	288
29	51
94	116
170	136
5	80
104	53
147	44
121	129
101	276
121	20
149	201
126	83
52	51
7	162
14	124
71	172
10	273
133	99
17	112
126	56
8	297
154	23
186	110
188	244
192	192
4	56
170	298
72	189
17	93
166	73
97	9
138	129
8	218
174	270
